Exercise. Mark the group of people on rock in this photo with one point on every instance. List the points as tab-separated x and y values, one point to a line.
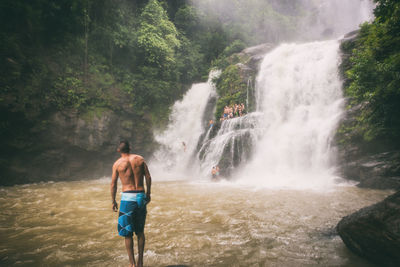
232	111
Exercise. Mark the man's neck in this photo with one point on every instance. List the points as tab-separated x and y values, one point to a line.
124	155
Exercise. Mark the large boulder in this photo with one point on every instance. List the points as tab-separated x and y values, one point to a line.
374	232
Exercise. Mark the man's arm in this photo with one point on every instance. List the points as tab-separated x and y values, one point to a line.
148	182
114	183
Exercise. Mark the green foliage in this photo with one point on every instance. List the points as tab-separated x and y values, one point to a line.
157	36
91	55
187	20
235	47
374	74
254	21
231	88
190	62
230	56
92	112
132	57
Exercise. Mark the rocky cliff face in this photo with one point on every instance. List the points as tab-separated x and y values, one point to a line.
374	232
77	146
374	164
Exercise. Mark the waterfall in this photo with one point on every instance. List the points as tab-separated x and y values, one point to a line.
287	141
300	99
247	91
231	145
178	142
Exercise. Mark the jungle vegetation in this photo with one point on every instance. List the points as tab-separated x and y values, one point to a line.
139	55
142	55
373	76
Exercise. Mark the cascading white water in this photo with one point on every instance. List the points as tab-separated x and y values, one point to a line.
232	143
299	95
287	141
178	142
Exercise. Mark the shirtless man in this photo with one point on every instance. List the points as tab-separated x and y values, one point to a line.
131	169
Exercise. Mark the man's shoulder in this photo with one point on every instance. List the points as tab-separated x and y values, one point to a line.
117	162
136	157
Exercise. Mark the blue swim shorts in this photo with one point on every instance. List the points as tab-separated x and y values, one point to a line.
132	213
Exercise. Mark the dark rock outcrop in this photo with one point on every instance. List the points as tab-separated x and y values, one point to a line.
374	232
77	146
255	55
372	170
373	164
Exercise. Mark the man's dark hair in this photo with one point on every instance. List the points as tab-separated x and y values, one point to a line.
124	147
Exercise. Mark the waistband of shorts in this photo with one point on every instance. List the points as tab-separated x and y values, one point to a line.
134	191
133	196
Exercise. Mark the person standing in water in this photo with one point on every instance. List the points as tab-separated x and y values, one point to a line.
184	146
214	173
131	169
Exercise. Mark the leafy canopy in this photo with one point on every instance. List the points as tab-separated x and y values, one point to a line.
375	74
157	35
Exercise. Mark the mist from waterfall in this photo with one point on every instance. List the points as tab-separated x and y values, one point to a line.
287	21
334	18
299	96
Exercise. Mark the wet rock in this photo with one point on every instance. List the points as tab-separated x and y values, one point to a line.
351	36
380	171
258	50
373	164
374	232
255	55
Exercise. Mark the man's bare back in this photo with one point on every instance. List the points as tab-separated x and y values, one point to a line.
131	169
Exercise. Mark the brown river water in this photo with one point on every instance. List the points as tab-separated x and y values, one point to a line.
188	223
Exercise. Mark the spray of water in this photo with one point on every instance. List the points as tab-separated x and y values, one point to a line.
299	95
278	20
334	18
178	142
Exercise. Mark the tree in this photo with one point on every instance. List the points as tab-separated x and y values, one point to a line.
375	74
157	35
